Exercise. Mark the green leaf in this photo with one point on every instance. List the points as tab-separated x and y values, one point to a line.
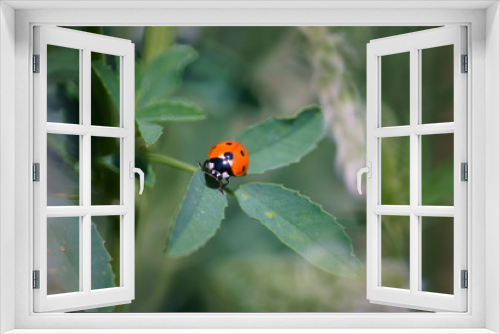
150	176
198	218
102	275
171	110
63	257
162	76
109	79
302	225
150	131
278	142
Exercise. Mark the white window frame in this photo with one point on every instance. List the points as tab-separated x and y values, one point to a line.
85	43
413	44
16	21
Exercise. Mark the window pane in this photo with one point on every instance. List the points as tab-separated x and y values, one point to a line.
105	171
105	252
105	92
395	231
63	85
395	73
63	175
437	169
63	255
437	254
437	84
395	170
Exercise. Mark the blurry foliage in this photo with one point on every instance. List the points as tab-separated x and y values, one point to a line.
241	76
63	257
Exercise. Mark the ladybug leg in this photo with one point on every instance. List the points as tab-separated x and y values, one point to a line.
222	185
202	167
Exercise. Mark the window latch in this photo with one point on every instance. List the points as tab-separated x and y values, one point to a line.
368	171
139	171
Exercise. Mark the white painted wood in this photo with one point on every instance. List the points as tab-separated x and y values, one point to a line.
95	210
492	163
418	129
75	39
413	43
127	228
419	210
7	167
86	297
414	168
250	4
193	13
77	129
85	171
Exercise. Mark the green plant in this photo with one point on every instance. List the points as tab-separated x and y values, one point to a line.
297	222
157	81
293	218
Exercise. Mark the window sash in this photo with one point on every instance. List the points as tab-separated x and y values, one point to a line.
86	43
414	297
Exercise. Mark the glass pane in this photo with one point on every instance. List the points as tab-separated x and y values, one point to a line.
105	171
63	85
395	231
63	255
395	170
437	169
437	84
63	175
105	92
437	254
105	252
395	94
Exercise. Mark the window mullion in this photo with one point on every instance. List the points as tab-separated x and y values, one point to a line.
414	172
85	241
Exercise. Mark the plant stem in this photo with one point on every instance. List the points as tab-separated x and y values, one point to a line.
172	162
156	40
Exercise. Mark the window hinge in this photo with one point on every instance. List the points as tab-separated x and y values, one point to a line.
465	64
36	63
464	279
36	172
36	279
464	172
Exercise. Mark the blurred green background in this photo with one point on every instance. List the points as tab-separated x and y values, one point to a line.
240	76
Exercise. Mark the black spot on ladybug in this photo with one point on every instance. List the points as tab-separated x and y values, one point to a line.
228	156
242	153
243	168
229	143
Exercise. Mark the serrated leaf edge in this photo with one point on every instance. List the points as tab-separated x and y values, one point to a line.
192	57
201	116
286	118
142	135
169	234
321	209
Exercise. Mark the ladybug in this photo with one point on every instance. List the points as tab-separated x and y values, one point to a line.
225	159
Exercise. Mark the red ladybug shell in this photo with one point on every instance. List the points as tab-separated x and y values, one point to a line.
241	158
